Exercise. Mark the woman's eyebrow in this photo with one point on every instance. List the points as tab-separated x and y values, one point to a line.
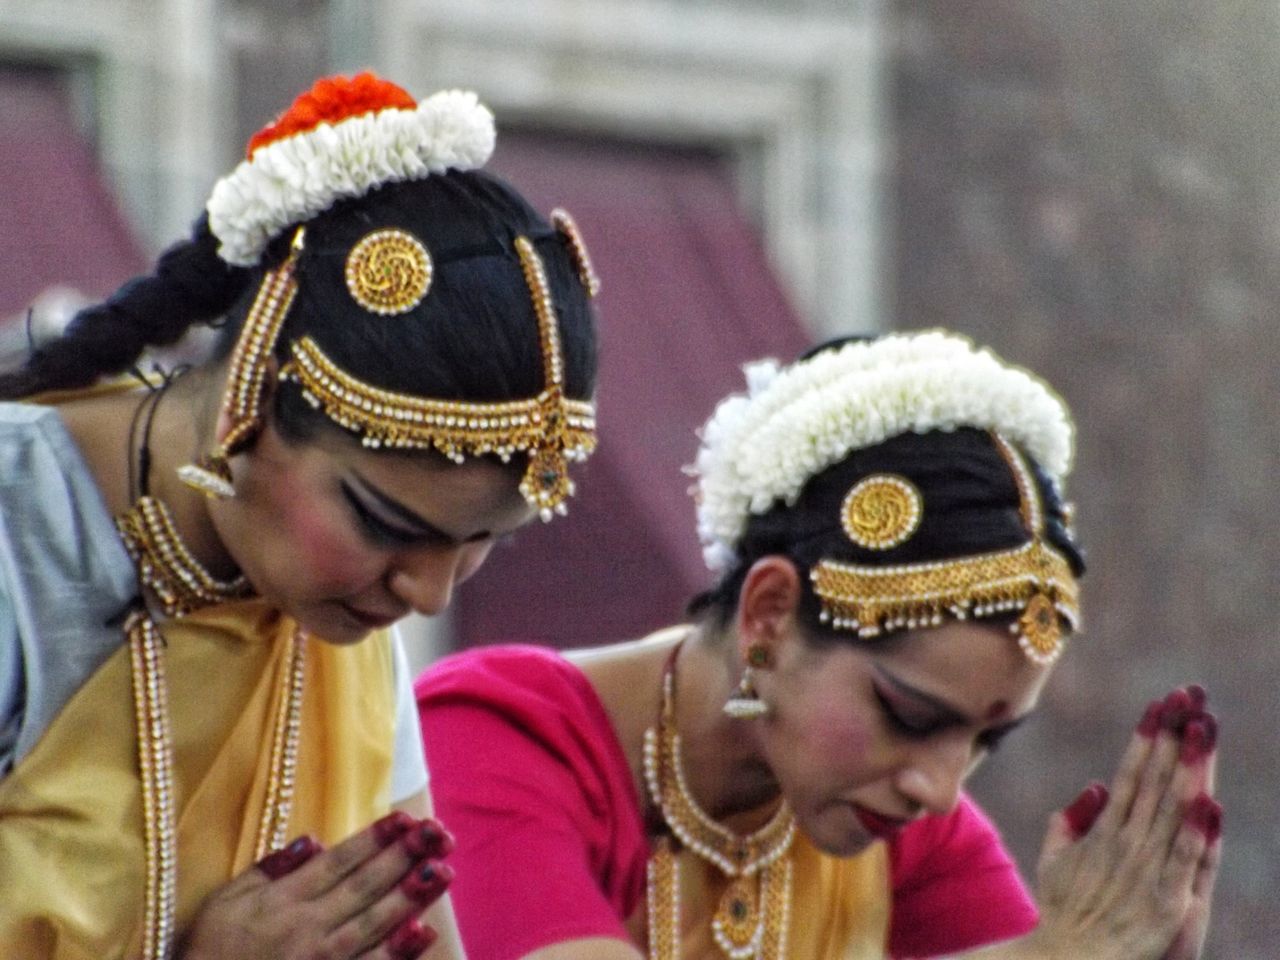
950	712
400	512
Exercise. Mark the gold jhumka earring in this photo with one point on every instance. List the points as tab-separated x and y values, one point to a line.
1034	580
745	704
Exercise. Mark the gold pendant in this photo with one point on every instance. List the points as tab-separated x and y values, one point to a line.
737	920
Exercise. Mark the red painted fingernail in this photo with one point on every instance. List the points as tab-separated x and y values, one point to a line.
288	859
1149	725
1177	709
1195	742
407	941
425	883
428	839
1198	696
392	827
1205	814
1084	809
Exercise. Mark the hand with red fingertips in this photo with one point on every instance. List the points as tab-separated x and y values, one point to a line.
1205	815
1127	871
428	838
383	887
392	827
409	940
427	882
1199	738
1178	709
1149	725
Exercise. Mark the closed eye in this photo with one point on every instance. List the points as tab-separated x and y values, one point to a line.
377	529
900	722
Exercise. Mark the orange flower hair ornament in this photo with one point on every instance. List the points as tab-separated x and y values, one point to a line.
343	138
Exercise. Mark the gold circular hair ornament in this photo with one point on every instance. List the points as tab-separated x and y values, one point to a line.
389	272
881	511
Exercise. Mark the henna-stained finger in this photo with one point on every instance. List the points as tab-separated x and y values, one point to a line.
1082	812
1124	785
289	858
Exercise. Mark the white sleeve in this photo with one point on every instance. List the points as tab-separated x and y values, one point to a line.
408	761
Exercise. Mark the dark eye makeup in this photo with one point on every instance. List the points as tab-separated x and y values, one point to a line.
904	722
917	725
378	529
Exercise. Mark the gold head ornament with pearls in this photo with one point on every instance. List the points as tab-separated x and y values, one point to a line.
1033	581
762	447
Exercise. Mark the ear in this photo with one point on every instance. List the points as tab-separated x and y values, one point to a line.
768	604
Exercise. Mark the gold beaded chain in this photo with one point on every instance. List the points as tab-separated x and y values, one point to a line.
182	585
166	567
752	917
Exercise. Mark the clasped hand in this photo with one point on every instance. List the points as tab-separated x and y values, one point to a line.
364	899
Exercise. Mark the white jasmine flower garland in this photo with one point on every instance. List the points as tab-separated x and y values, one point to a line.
297	177
760	448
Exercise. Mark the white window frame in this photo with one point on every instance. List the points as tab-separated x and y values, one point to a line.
795	96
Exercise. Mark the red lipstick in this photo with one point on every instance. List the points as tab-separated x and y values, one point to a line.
877	824
370	621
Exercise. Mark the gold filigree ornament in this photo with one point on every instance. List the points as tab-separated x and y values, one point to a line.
882	511
568	228
389	272
1033	582
247	376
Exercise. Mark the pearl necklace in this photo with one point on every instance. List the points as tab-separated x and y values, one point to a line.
752	918
173	574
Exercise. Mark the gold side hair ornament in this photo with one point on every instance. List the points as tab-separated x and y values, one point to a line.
1034	580
565	224
247	377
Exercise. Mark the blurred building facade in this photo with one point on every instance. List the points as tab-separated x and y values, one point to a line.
1090	188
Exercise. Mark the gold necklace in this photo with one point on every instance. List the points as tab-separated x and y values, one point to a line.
752	917
182	585
166	567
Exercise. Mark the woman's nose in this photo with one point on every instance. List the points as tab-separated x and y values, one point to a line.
932	777
424	578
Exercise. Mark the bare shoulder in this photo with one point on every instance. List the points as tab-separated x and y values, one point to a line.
627	677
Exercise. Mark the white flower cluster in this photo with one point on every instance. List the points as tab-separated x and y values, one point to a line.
760	448
297	177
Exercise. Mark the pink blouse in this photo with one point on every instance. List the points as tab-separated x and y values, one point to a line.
528	775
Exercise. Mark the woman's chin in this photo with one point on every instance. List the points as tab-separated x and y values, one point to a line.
337	628
837	834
